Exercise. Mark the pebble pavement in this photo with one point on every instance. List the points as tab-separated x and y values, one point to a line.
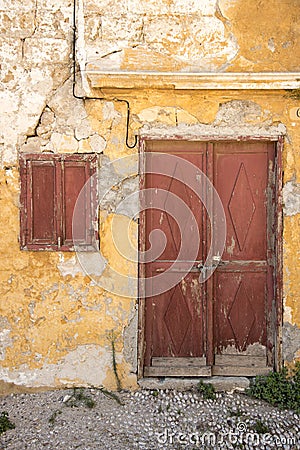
146	419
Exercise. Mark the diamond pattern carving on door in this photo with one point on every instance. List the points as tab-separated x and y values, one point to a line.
177	318
179	189
241	317
241	206
224	321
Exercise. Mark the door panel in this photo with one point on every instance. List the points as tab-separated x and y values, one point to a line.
241	289
240	177
222	326
169	189
239	310
174	320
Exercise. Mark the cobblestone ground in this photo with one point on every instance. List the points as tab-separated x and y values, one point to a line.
163	419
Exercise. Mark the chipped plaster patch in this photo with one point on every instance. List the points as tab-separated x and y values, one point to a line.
5	339
109	112
168	115
97	143
291	198
88	363
130	340
118	179
86	366
69	266
89	263
240	111
200	42
93	263
291	341
271	45
287	314
234	118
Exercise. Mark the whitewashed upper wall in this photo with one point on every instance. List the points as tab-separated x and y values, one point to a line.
192	35
184	35
36	104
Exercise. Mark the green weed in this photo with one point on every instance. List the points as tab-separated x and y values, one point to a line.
80	397
111	395
207	390
236	413
281	389
5	423
52	418
260	427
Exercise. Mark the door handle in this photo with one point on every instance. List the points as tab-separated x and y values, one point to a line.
216	262
197	268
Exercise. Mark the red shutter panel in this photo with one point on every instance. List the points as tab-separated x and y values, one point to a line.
51	185
43	214
73	181
74	178
79	193
38	208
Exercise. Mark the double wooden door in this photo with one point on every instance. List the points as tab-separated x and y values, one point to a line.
226	325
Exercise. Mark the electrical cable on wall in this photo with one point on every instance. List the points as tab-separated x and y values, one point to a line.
83	97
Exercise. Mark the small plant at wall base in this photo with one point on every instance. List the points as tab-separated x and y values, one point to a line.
281	389
207	390
112	338
111	395
5	423
80	397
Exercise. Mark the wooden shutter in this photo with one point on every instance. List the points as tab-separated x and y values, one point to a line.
75	174
50	188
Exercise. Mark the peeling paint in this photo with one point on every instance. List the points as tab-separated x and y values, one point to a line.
57	310
291	341
291	198
5	339
230	249
130	341
83	366
251	350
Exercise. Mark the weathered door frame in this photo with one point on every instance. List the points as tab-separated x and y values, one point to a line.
278	280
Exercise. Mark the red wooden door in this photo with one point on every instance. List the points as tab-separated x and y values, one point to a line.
222	326
175	319
243	283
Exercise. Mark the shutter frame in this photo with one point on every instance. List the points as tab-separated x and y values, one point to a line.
58	242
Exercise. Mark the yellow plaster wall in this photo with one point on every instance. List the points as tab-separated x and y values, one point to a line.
56	324
49	315
169	108
202	35
267	33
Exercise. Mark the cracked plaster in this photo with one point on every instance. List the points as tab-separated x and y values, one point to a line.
56	319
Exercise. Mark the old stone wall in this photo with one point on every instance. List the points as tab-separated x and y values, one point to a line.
58	323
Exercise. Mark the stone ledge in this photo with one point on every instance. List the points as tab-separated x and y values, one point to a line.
191	81
221	384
